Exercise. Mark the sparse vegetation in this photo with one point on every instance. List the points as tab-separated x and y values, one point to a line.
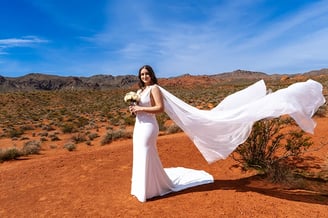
97	114
271	148
12	153
79	115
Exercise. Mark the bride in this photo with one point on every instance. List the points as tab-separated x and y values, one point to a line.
216	133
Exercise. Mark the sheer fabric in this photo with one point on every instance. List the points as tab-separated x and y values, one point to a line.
217	132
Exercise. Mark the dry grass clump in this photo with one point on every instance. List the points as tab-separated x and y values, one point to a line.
112	135
70	146
13	153
93	136
31	147
9	154
173	128
79	137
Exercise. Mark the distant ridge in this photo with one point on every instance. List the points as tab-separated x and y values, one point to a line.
39	81
242	74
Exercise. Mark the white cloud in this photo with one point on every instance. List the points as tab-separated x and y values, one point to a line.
26	41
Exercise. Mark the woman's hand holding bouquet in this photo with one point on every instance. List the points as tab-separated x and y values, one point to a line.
132	98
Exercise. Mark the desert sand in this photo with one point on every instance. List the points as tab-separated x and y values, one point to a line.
94	181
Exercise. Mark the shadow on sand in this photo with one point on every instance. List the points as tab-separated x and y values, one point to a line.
262	186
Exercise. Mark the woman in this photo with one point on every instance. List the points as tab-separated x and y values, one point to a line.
216	133
149	178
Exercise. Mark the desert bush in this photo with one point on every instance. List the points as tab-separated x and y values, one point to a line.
161	118
43	134
78	138
68	128
81	122
54	137
15	133
107	139
43	139
270	146
48	128
173	129
9	154
322	111
31	147
27	127
129	120
70	146
112	135
92	136
115	121
24	138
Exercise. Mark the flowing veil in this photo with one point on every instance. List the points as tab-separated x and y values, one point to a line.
217	132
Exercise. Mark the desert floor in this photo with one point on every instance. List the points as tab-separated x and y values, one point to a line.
94	181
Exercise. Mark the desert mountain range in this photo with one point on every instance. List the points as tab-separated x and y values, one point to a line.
39	81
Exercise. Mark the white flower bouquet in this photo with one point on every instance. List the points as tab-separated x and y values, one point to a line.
132	98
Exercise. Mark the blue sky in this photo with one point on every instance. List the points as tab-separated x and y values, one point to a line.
85	38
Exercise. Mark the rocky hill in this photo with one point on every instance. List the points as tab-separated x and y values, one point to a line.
38	81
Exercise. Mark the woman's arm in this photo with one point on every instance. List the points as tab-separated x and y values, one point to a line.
156	102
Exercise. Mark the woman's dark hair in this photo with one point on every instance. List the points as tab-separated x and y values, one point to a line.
151	74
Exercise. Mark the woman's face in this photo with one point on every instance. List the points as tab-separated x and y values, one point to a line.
145	77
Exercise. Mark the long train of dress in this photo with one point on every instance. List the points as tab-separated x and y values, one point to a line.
216	133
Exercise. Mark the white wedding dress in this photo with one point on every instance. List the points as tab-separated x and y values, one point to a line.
216	133
149	178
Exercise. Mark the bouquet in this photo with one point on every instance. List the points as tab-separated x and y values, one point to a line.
132	98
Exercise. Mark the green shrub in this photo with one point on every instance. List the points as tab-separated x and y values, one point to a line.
269	147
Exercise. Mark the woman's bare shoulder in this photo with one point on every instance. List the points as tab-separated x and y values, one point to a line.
155	86
155	90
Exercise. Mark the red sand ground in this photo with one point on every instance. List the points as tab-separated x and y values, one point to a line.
95	182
